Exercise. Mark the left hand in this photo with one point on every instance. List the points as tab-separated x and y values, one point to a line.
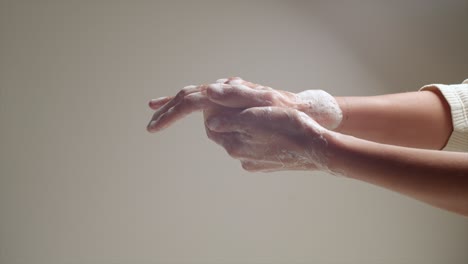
269	138
237	93
232	93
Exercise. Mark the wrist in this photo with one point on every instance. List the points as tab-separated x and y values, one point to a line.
352	157
338	151
325	149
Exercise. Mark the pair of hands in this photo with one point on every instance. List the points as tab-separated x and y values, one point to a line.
264	128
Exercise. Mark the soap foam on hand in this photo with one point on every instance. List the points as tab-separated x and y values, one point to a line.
322	107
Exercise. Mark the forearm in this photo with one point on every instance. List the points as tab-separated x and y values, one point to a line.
414	119
436	177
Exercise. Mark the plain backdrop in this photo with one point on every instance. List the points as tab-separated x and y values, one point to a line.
81	181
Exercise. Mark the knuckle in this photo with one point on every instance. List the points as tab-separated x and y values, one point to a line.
235	80
210	92
251	84
271	97
187	90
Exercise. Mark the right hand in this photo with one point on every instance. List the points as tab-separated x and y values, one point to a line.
270	138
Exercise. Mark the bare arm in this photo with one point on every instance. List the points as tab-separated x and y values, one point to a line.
414	119
436	177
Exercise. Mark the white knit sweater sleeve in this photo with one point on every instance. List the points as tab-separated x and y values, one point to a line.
457	98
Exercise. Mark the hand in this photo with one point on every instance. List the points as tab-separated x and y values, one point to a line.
237	93
269	138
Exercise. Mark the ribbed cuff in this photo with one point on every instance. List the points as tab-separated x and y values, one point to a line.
457	98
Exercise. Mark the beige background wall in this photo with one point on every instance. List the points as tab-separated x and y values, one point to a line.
82	182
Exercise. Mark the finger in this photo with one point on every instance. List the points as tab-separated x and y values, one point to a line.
261	166
238	80
272	167
239	96
155	104
180	96
191	103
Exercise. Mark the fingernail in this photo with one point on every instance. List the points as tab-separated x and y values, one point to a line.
190	86
221	80
154	101
151	124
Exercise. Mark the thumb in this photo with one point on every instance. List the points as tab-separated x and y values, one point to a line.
226	120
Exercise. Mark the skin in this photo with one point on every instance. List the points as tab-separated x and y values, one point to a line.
269	138
231	93
391	141
414	119
435	177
